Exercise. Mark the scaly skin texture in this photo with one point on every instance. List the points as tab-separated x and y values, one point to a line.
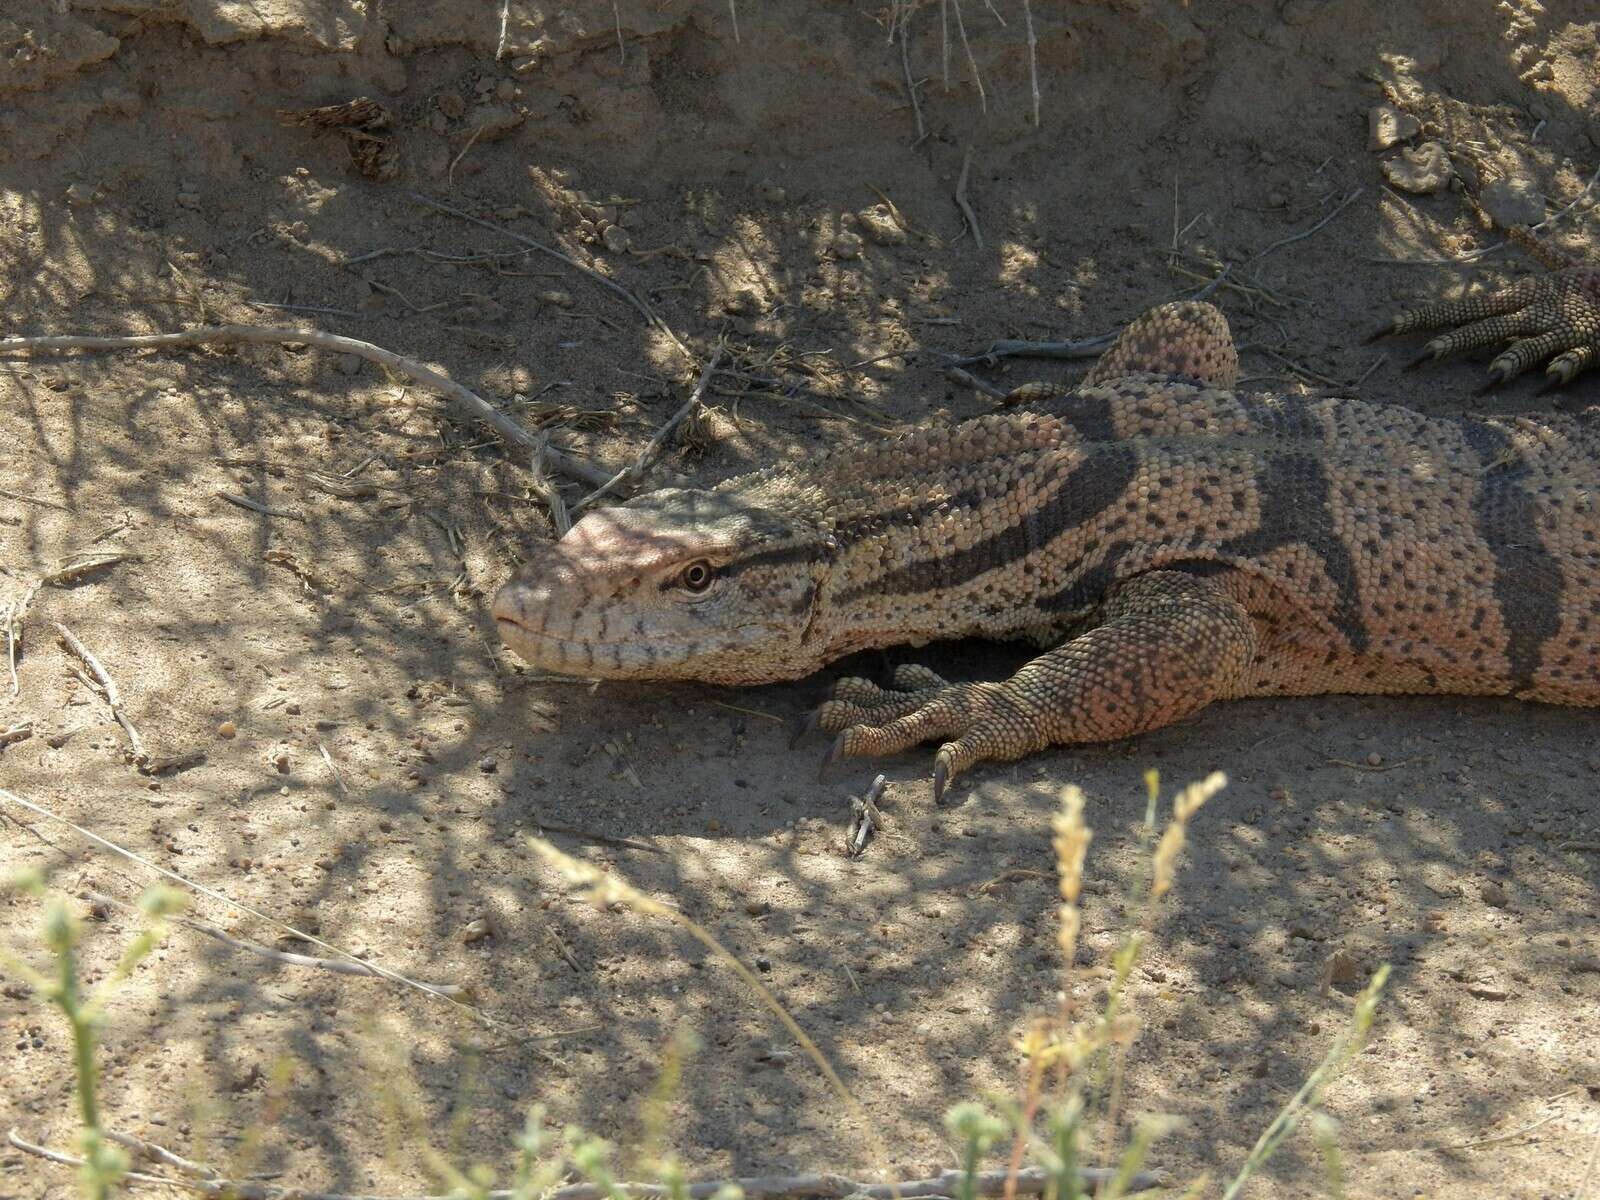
1555	316
1167	541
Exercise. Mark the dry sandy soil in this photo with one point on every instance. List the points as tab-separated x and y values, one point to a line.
146	183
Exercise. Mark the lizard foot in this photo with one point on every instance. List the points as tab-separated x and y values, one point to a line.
1169	643
979	720
1555	316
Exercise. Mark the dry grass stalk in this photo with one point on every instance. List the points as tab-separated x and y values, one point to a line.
1071	842
1184	806
605	889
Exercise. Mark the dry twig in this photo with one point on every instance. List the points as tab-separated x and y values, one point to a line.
450	176
610	284
470	402
1282	242
337	966
911	84
630	474
1033	59
595	836
263	509
1030	1182
545	489
961	191
107	686
14	633
26	499
977	79
160	1154
865	818
75	566
1009	348
213	894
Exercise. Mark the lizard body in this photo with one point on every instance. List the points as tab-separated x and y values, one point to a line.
1167	541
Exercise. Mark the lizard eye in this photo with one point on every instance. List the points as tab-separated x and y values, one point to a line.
697	576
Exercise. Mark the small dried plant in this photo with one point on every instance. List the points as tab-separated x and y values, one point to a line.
104	1162
1072	1065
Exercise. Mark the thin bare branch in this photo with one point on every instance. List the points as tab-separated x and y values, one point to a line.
631	474
1030	1182
467	400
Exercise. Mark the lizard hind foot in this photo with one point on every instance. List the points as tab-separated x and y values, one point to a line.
1554	317
1187	337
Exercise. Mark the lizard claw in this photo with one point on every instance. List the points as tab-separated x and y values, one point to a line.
1412	363
1495	377
809	726
941	776
831	759
1382	331
1540	316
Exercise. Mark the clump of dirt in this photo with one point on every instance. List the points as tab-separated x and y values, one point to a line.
339	741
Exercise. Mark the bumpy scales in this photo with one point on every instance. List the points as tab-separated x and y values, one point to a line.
1166	541
1555	317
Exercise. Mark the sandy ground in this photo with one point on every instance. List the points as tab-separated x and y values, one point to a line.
146	184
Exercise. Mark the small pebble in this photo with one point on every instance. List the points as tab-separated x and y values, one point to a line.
1387	126
487	764
495	121
880	227
348	364
557	297
282	762
451	105
476	930
1422	171
1374	759
227	729
746	302
846	245
616	239
1494	895
1514	200
1301	12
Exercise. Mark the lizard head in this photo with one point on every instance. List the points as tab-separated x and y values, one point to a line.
676	584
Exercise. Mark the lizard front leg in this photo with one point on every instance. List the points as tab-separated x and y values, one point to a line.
1168	645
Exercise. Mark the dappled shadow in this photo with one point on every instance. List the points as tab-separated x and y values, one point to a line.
383	761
